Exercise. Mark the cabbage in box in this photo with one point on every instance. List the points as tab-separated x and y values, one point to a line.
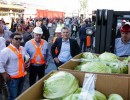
106	84
106	63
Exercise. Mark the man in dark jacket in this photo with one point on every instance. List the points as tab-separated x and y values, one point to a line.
67	48
28	36
82	36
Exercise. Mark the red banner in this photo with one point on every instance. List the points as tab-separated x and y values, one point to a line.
49	14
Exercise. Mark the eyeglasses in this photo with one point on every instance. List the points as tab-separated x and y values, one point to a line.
18	39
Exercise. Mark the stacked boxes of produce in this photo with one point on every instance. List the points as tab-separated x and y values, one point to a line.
61	85
106	63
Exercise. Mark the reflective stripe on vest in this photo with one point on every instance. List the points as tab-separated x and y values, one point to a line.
54	39
21	69
56	50
38	52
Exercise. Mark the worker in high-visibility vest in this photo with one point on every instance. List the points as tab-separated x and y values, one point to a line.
37	49
12	65
57	35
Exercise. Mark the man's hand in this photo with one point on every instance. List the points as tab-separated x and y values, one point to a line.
27	64
56	60
6	76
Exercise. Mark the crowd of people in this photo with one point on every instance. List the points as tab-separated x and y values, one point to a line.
24	47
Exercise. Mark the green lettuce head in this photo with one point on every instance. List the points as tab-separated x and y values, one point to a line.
110	57
115	97
59	85
97	67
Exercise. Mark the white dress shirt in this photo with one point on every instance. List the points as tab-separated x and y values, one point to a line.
9	61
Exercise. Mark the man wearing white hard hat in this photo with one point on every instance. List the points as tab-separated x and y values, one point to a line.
37	48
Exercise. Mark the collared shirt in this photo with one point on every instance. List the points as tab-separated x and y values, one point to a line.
65	54
2	43
9	61
6	35
121	49
29	47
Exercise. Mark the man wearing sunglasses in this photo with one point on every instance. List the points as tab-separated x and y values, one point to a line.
122	45
12	66
37	49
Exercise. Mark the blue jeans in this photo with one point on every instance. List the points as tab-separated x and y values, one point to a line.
15	87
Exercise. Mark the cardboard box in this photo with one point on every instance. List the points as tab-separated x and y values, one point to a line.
106	84
70	65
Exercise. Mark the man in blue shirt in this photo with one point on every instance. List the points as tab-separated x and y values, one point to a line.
67	48
122	45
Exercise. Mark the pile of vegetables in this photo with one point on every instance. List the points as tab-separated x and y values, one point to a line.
103	63
64	86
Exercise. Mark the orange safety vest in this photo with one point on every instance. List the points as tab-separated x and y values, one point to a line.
88	41
21	70
38	52
54	39
56	50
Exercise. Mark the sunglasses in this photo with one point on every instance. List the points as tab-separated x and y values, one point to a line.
18	39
